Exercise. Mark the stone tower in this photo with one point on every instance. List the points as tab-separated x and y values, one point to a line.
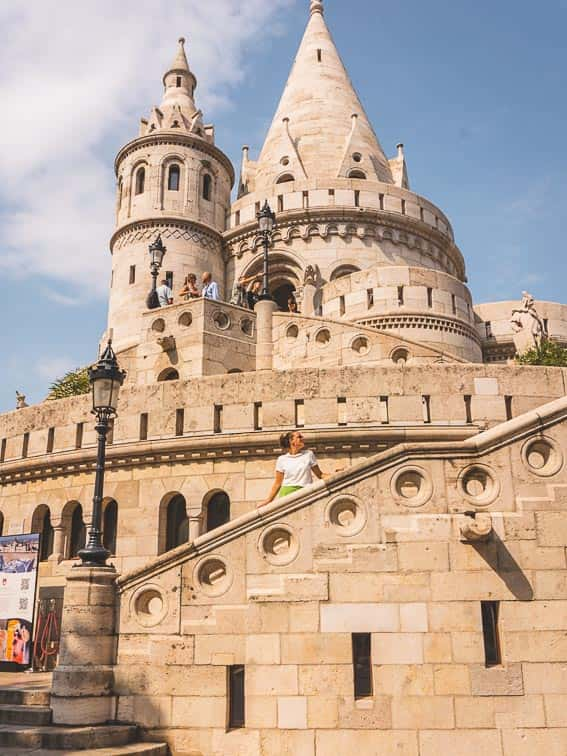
172	180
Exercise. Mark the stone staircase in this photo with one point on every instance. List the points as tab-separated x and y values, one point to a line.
25	728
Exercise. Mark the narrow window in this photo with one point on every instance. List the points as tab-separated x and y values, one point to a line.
362	664
140	180
173	178
509	414
218	511
468	409
110	434
3	450
258	208
144	426
280	203
342	410
299	413
426	402
169	278
488	326
342	305
492	655
109	526
306	200
111	279
400	295
454	304
132	278
369	299
178	83
403	207
357	198
25	445
436	222
430	298
207	187
236	696
546	325
381	198
218	418
78	532
50	440
79	432
384	410
319	56
179	422
237	218
421	214
258	416
331	193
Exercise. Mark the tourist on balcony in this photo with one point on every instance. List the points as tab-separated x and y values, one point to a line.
239	295
253	295
292	304
295	468
165	294
190	290
210	287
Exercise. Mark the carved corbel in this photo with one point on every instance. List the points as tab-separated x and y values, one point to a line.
476	528
167	343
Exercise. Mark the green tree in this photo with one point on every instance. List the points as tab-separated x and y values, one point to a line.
73	383
548	354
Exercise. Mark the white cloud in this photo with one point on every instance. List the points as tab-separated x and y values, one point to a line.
52	368
75	77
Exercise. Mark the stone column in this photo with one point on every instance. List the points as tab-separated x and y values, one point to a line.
82	688
58	554
264	327
309	292
195	521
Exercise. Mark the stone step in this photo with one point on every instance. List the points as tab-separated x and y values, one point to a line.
24	697
25	715
134	749
67	738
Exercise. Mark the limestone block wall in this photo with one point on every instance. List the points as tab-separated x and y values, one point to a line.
384	550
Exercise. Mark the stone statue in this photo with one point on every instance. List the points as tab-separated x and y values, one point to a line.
21	401
529	329
310	276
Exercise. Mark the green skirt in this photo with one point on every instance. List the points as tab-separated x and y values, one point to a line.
287	490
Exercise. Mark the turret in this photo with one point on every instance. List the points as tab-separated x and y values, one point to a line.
171	180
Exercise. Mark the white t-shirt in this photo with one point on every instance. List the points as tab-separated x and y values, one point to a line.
164	294
297	468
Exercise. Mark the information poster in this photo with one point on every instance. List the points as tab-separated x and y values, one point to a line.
19	555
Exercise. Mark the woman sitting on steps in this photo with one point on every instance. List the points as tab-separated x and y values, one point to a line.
295	468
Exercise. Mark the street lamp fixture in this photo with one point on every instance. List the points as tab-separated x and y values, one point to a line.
266	222
157	253
105	378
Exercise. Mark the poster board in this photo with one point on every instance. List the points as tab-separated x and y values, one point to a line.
19	557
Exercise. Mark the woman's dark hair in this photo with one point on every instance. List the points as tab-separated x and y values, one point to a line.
285	440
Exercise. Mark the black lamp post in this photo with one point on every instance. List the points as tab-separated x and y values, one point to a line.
157	253
266	222
105	378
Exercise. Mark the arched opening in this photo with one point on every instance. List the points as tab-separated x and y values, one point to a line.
285	276
176	522
120	187
110	525
78	534
356	173
234	370
140	180
285	178
217	510
207	186
282	294
343	270
173	178
41	523
1	523
169	374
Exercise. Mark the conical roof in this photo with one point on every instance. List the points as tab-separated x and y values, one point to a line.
180	62
320	130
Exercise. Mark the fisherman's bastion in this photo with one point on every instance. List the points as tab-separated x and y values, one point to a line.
411	603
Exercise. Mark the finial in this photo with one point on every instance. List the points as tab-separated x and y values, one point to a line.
400	148
181	41
316	7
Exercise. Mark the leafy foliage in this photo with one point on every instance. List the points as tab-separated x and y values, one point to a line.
73	383
549	354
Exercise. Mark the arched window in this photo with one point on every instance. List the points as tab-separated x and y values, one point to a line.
41	523
177	527
78	532
343	270
173	178
357	174
109	526
1	523
286	178
140	180
120	193
217	511
207	187
169	374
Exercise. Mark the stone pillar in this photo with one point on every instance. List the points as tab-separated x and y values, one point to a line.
58	554
309	292
82	689
264	327
195	521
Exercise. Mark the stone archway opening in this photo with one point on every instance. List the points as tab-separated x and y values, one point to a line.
285	276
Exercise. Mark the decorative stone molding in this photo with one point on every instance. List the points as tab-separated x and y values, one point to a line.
279	545
347	516
479	485
542	456
169	228
476	528
411	486
212	576
149	605
414	320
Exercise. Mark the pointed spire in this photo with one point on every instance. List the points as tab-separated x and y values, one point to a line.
313	135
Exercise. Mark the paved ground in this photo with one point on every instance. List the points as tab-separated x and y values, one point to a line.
29	680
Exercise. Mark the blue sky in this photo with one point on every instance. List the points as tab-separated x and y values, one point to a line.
476	91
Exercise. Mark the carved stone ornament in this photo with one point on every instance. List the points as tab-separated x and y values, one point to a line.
21	401
476	527
529	329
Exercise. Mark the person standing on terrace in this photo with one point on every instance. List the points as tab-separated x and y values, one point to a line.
295	468
210	287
